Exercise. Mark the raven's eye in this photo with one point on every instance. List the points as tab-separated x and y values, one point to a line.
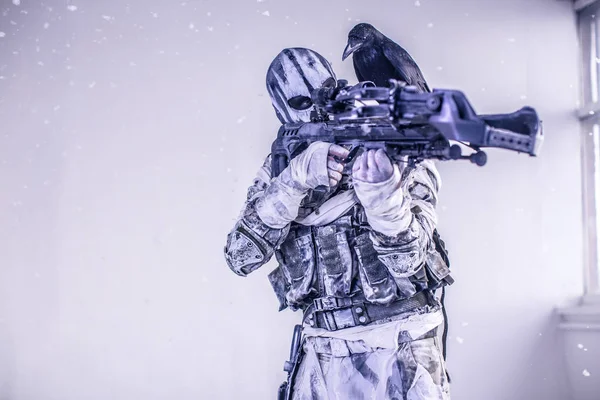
300	102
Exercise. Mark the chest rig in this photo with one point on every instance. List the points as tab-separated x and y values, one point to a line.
334	274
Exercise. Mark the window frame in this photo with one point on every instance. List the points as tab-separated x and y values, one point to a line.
589	116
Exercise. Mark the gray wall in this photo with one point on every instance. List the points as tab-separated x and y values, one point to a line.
128	137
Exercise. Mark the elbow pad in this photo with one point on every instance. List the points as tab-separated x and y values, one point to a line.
245	250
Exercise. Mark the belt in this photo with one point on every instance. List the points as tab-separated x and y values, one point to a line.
333	313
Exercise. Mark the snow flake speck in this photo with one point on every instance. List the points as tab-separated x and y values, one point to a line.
2	34
91	85
72	8
210	28
40	63
266	14
108	18
464	324
430	25
512	40
46	25
191	26
155	15
460	340
16	2
417	3
241	119
439	68
586	372
132	64
208	14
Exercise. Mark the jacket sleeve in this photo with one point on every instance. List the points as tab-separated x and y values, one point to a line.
405	253
251	243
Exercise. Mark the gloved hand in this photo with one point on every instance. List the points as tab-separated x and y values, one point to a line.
378	186
314	167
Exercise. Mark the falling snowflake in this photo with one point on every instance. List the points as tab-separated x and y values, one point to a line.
40	63
208	14
56	108
417	3
241	119
210	28
108	17
439	68
586	372
266	14
17	2
228	169
512	40
72	8
155	15
459	340
46	25
2	34
430	25
132	64
91	85
191	26
580	346
465	324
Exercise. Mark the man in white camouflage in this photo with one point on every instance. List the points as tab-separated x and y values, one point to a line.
359	259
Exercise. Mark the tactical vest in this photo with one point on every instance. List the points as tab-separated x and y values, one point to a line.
337	263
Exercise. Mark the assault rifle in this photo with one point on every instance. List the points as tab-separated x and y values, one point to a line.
409	125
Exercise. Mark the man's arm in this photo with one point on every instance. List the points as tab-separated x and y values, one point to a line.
251	243
400	208
406	251
272	204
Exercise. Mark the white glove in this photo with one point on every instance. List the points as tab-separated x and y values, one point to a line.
314	167
385	198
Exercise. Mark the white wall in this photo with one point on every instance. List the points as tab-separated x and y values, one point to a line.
128	137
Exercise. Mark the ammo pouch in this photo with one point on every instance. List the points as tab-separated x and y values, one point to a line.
438	264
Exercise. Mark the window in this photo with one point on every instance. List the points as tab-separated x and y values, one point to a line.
589	113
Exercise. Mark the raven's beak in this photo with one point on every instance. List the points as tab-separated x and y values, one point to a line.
350	49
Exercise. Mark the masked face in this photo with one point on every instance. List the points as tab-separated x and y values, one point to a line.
291	78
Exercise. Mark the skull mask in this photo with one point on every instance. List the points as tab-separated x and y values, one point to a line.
291	78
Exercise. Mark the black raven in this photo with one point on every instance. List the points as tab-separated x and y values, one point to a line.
377	58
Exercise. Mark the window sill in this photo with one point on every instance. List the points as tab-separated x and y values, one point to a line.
584	315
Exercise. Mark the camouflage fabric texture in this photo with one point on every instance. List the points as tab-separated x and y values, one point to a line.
336	369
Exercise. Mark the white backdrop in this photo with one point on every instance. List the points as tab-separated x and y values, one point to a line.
129	132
